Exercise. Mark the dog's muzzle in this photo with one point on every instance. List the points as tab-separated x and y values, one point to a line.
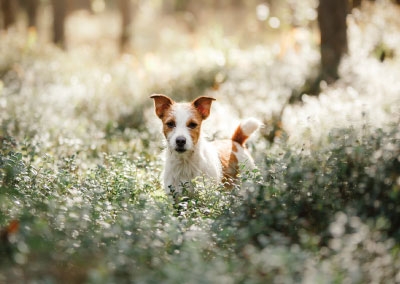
180	142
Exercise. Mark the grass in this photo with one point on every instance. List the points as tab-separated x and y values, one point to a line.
80	167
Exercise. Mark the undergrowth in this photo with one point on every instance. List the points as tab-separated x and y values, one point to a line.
80	193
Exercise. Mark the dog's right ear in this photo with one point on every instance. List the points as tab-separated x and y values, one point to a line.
161	104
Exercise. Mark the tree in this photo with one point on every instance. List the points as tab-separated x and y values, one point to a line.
31	9
8	8
59	15
125	9
333	28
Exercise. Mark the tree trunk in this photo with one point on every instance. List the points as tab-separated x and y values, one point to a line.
9	10
59	15
332	23
31	8
125	9
356	3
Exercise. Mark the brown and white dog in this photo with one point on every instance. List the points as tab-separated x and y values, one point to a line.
189	154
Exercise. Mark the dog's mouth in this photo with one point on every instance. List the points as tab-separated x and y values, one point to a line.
180	149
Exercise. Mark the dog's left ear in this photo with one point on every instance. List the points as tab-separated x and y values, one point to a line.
203	105
161	104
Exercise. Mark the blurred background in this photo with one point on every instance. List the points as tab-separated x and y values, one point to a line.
93	64
142	27
80	147
116	53
138	25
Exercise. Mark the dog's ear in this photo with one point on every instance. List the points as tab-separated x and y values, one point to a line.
161	104
203	105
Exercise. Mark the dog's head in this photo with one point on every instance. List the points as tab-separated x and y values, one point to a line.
182	121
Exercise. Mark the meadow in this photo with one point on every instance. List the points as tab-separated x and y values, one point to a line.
80	160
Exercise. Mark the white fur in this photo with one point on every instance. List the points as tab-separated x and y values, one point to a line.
244	158
182	168
250	125
198	159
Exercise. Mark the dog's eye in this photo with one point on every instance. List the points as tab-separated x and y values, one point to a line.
192	125
171	124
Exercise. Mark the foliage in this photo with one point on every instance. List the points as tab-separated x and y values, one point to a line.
80	169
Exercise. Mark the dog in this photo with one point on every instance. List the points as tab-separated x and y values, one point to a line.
189	154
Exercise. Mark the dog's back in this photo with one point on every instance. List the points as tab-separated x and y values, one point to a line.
233	152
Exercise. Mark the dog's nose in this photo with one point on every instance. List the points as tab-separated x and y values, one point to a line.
180	141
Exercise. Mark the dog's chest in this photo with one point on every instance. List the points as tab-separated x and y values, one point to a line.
181	169
185	169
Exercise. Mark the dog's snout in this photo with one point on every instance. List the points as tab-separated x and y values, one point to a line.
180	141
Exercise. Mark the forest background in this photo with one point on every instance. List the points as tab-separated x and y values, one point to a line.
80	146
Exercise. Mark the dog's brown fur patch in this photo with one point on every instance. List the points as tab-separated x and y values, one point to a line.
239	137
227	150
